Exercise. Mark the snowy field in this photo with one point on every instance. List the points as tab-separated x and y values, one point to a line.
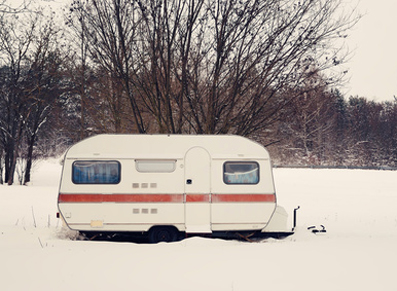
358	252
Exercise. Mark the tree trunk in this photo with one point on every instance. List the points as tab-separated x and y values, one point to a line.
29	160
8	162
1	167
11	172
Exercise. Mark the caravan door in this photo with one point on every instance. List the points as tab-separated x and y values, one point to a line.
197	191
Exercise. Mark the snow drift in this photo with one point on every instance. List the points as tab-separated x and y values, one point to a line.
358	252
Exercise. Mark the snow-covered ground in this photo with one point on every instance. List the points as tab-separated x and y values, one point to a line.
358	252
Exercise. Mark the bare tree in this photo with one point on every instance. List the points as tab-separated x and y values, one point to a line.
259	49
25	49
108	29
309	129
6	7
15	41
45	88
166	31
211	66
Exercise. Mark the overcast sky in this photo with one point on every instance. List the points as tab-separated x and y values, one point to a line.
373	43
373	66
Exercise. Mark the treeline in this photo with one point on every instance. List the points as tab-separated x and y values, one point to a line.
327	129
261	69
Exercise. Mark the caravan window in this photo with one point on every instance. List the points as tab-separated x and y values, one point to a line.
241	172
96	172
155	166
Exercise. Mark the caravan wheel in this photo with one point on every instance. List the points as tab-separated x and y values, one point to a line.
163	233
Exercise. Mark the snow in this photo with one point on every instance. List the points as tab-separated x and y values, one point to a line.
358	251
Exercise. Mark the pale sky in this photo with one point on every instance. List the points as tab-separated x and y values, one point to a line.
373	43
373	65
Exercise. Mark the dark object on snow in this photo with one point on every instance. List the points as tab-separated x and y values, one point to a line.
314	229
295	210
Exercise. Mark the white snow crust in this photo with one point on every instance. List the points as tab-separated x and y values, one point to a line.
358	251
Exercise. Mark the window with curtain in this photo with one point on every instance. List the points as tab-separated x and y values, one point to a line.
96	172
241	173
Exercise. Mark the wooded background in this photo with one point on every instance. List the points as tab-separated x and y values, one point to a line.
268	70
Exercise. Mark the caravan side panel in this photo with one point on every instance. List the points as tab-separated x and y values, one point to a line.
233	190
138	201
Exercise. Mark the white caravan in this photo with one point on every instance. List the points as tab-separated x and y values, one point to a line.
165	185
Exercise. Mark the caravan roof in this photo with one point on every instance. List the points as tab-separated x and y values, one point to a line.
165	146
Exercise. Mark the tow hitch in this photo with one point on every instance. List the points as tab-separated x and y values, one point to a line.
294	224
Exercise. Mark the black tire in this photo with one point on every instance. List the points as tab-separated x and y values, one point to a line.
163	234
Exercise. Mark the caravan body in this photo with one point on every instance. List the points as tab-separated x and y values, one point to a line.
188	183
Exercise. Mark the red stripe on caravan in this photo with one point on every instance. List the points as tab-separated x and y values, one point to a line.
197	198
161	198
243	198
97	198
